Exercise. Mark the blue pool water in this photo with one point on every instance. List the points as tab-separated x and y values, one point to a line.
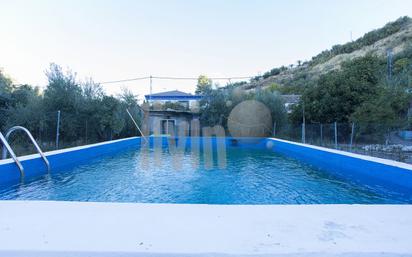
251	176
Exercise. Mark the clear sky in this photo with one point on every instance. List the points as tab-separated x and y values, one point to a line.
112	40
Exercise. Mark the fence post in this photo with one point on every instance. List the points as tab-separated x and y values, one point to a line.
303	123
351	136
303	133
274	129
336	135
321	134
58	129
86	132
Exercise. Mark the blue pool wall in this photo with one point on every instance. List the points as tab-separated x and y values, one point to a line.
67	158
368	171
60	159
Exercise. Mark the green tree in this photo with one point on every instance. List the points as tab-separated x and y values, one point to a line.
275	87
64	93
214	108
401	65
216	105
5	97
26	108
339	93
204	85
111	117
274	102
129	101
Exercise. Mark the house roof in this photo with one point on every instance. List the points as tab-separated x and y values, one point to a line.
172	95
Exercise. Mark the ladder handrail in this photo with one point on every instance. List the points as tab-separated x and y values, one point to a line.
6	147
135	123
15	128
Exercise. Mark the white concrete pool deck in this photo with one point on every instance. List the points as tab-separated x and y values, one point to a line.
49	228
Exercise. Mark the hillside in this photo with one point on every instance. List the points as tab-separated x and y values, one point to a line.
395	35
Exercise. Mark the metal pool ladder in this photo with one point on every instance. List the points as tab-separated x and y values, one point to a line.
7	148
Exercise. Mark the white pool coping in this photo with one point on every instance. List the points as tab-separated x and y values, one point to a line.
64	150
344	153
389	162
49	228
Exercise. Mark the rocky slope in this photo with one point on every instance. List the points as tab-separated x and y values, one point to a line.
397	42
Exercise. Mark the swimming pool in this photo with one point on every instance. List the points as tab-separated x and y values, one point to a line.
251	175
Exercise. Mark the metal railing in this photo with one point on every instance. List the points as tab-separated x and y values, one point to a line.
137	126
12	154
8	149
389	141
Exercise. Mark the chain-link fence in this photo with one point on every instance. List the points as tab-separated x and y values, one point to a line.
373	139
41	127
58	130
